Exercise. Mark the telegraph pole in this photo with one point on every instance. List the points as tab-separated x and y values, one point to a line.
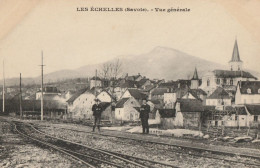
96	84
42	88
3	86
21	111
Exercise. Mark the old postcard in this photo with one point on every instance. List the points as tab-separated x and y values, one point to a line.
129	83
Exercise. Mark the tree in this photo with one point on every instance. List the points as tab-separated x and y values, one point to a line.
111	70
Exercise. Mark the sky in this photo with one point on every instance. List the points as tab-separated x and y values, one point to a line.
70	39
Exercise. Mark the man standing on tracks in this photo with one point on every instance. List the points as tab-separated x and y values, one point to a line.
144	116
97	110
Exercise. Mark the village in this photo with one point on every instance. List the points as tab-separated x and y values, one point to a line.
215	103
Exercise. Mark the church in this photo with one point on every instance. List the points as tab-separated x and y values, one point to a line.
226	79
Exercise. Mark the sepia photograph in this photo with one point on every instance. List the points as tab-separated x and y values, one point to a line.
129	84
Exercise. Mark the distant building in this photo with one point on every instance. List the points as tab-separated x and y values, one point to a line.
248	92
48	91
80	104
105	96
186	113
95	82
195	80
127	109
221	78
218	98
135	93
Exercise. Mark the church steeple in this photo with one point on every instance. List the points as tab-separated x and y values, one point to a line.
195	75
195	80
235	55
235	62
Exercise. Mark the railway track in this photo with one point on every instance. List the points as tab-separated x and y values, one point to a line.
193	151
90	157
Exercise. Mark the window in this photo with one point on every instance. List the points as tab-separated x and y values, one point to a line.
255	118
248	90
224	81
218	81
258	90
208	82
231	81
236	118
238	68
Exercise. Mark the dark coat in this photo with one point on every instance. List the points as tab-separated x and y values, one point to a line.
144	111
97	110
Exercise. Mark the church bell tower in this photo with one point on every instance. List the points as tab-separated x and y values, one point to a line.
235	63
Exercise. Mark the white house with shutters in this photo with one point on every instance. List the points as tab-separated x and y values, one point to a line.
248	92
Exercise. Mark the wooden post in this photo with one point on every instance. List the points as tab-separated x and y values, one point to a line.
21	111
3	86
42	88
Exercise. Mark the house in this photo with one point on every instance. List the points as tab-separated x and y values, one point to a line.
196	94
219	97
127	109
248	92
48	90
105	96
134	77
254	110
107	111
169	99
135	93
218	78
122	87
95	82
236	116
158	93
186	113
143	83
69	94
80	104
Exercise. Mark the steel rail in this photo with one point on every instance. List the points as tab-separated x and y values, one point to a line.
94	149
54	147
181	146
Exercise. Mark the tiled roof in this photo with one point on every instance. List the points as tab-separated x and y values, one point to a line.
190	105
253	109
128	84
240	110
76	95
104	105
34	105
168	85
219	93
253	85
137	94
197	92
141	82
148	88
95	78
121	102
232	74
159	91
167	113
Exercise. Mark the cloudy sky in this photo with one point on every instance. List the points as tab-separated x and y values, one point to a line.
71	39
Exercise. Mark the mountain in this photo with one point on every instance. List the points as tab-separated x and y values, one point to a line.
160	63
